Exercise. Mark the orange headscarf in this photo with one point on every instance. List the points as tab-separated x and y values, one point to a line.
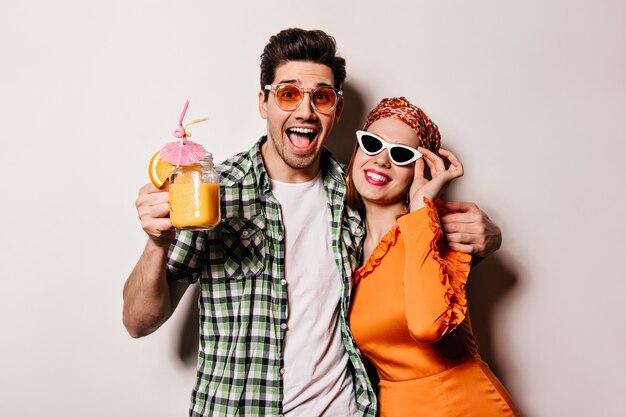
400	108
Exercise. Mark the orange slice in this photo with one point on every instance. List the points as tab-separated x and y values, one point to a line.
159	170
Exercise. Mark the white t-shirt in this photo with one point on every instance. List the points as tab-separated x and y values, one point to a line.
317	381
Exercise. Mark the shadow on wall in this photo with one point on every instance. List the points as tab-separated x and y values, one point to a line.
343	139
488	284
187	340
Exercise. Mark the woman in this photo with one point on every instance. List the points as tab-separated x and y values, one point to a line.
409	313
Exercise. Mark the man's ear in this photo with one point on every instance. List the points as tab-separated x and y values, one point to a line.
262	105
339	109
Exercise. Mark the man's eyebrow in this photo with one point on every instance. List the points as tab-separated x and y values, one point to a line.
297	82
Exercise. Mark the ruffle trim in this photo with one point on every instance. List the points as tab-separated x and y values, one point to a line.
387	242
455	296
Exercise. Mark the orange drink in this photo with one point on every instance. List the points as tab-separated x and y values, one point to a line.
194	206
185	170
195	196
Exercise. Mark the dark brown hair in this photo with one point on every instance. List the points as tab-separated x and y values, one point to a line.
353	198
301	45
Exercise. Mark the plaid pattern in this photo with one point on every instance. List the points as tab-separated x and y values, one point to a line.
243	298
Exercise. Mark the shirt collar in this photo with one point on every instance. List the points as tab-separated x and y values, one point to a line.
329	166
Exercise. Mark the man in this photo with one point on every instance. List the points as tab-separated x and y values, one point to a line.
275	277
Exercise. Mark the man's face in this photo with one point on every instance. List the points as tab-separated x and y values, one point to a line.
295	138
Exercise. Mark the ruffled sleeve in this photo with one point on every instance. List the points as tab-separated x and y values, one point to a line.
434	277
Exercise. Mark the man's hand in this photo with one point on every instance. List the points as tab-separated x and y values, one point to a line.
153	208
149	297
468	229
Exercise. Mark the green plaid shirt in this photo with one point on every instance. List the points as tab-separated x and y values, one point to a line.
243	298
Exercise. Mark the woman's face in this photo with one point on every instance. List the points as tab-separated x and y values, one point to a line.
376	178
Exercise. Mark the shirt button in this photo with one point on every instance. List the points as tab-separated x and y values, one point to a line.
245	233
283	281
282	371
283	326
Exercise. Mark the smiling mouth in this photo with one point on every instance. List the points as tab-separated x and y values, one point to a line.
301	137
377	177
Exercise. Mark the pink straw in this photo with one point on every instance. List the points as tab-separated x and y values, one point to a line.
182	116
179	132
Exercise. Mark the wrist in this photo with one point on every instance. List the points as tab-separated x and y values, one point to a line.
160	243
418	202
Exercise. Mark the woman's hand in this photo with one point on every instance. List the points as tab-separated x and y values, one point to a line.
422	187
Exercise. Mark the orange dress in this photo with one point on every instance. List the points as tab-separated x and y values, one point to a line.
409	318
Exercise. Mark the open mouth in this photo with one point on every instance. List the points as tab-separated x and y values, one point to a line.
302	138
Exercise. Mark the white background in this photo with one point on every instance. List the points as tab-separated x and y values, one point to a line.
530	95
